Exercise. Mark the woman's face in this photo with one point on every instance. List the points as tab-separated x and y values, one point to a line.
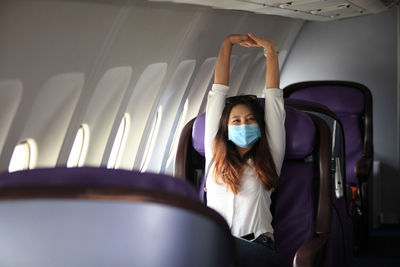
244	141
241	114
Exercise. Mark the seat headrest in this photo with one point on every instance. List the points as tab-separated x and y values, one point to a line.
340	99
300	134
98	177
198	134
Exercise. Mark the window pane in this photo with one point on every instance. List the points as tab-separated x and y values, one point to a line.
150	141
24	156
119	143
79	148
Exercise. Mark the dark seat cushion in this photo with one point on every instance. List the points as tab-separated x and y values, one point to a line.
99	177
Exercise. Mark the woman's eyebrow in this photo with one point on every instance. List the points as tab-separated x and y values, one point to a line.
239	116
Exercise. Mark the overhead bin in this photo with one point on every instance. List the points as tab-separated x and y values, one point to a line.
316	10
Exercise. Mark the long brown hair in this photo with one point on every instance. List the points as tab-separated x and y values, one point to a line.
229	164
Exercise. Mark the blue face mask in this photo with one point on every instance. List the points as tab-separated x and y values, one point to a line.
244	135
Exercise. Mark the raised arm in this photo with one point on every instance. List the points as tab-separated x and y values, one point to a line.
272	70
221	75
274	106
219	91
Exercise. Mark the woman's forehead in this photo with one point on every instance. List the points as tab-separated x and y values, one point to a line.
240	110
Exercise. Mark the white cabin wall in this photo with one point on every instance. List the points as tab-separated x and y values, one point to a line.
42	39
10	97
364	50
143	34
48	121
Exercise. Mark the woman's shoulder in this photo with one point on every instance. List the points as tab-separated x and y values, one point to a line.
273	92
220	88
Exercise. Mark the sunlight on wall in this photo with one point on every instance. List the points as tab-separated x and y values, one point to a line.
24	156
140	107
119	142
151	140
80	147
174	146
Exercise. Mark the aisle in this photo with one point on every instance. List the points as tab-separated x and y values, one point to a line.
383	249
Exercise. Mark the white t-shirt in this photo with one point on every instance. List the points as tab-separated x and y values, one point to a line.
249	210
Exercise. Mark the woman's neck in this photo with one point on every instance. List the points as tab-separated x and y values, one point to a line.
243	150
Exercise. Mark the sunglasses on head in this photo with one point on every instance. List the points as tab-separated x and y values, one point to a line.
238	98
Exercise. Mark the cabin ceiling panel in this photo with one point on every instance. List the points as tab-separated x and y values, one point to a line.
316	10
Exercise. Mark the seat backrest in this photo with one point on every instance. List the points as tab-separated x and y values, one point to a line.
305	175
190	156
340	251
302	203
95	177
352	103
338	147
96	218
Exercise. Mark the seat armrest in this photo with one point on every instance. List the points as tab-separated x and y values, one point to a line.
363	168
312	252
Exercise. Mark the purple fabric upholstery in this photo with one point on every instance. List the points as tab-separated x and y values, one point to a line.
300	134
88	176
341	226
337	98
294	102
294	198
348	104
294	209
353	140
198	134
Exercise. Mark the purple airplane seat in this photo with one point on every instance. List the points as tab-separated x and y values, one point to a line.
341	226
94	177
352	103
104	217
301	223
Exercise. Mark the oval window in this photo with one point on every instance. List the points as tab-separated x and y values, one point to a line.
79	148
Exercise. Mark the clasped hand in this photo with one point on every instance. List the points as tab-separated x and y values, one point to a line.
251	40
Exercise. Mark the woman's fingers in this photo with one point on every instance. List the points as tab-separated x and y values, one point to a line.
248	43
237	38
258	40
267	44
254	37
251	40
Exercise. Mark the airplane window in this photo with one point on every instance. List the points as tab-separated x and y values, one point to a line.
119	142
150	142
79	148
24	156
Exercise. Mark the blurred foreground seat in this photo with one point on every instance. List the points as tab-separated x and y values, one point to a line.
101	217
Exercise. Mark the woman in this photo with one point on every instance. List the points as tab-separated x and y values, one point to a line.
245	147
